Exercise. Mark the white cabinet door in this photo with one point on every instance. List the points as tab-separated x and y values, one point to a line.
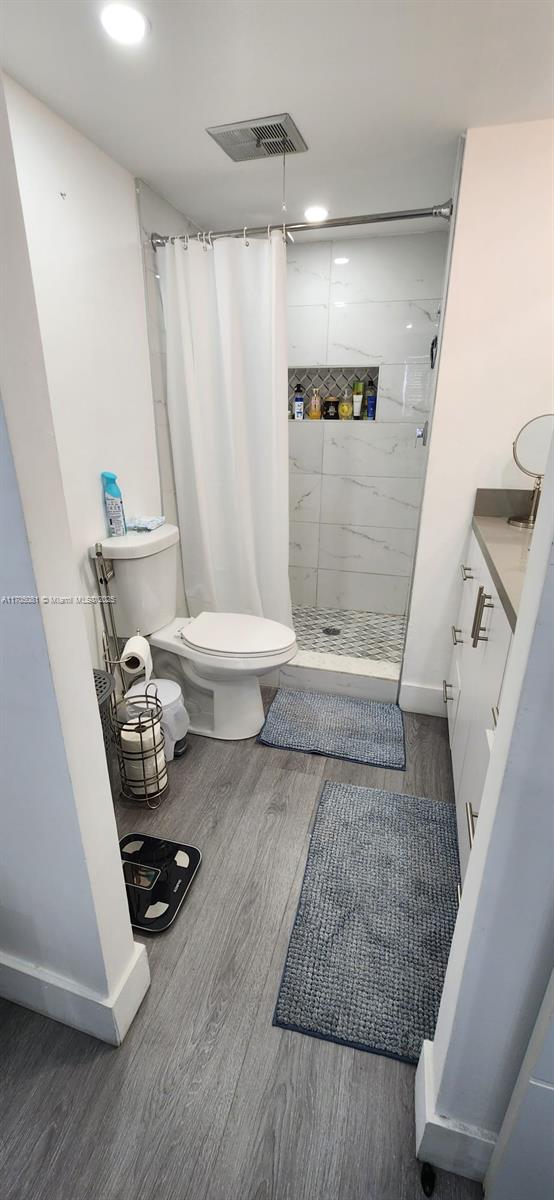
457	686
478	668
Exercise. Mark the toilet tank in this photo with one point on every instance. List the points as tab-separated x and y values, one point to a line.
145	579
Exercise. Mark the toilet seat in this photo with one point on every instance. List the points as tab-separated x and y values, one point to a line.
236	635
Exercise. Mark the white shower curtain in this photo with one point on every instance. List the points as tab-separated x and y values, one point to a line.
225	320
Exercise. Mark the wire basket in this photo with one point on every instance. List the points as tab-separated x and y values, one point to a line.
140	746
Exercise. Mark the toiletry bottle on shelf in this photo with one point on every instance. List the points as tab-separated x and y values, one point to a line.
299	403
314	406
113	504
371	401
331	408
357	397
345	407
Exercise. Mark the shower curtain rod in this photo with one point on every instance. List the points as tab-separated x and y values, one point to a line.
409	214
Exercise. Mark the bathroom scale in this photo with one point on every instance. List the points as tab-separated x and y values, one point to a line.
158	874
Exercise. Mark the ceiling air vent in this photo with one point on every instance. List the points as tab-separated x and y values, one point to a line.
263	137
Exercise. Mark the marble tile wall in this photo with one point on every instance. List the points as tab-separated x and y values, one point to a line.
356	487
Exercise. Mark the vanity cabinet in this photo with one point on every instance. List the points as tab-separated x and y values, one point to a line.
481	638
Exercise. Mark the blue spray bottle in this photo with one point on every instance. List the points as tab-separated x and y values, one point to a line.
113	503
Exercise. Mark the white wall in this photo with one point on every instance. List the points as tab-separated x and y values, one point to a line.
355	488
83	235
66	946
495	372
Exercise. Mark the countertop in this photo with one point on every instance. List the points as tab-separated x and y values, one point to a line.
506	553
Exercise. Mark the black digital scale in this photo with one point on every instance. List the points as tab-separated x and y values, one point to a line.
158	875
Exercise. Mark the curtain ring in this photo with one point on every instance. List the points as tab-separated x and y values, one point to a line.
198	236
244	237
186	241
210	243
204	245
284	235
269	233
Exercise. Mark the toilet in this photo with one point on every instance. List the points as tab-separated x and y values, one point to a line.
217	659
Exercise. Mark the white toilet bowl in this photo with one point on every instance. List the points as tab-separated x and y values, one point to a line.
217	658
222	657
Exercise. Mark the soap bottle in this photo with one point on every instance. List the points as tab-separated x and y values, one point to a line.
113	504
298	403
314	407
371	401
331	409
345	407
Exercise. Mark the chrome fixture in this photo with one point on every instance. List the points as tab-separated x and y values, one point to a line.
530	451
483	601
471	818
466	572
456	641
441	211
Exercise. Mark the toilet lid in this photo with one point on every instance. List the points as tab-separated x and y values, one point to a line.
237	634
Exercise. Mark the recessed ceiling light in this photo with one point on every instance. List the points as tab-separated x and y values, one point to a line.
124	24
409	326
340	303
341	261
316	213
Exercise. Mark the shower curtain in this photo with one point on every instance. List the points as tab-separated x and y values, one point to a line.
225	319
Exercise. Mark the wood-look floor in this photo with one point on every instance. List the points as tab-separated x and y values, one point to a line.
206	1100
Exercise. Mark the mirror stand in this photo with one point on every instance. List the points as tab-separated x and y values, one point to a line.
529	522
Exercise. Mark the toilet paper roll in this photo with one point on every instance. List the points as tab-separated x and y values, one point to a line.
139	770
139	735
136	657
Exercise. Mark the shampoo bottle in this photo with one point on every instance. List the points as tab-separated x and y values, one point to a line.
299	403
371	401
113	503
357	397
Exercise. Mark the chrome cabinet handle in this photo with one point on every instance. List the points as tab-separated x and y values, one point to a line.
483	602
445	695
466	572
456	641
495	715
477	613
471	818
459	894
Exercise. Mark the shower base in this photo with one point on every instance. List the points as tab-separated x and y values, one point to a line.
350	634
347	653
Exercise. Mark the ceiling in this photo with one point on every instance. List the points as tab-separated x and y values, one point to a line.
380	90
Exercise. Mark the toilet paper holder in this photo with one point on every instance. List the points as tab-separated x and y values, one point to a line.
140	747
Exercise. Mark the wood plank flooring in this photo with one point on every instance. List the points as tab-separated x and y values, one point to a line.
206	1100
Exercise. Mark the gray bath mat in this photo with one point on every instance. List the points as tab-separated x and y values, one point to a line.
371	937
365	731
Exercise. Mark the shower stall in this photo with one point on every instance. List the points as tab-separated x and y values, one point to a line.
367	309
362	308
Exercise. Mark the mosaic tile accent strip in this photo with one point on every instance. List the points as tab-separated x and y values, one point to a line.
353	634
331	381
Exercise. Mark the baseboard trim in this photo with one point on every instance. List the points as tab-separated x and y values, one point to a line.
422	698
452	1145
105	1017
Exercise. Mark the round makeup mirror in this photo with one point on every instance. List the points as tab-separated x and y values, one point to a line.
530	450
